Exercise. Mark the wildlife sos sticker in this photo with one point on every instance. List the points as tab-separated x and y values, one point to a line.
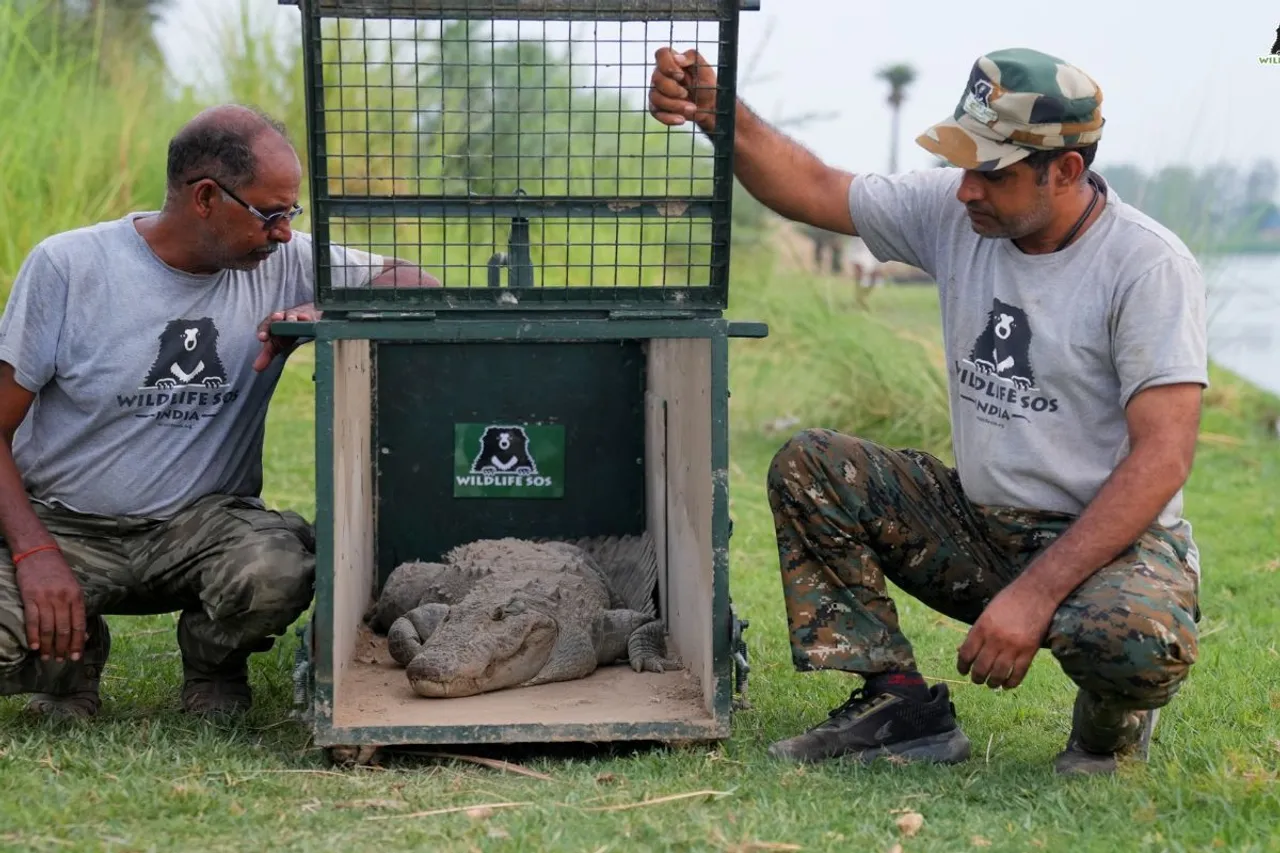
508	460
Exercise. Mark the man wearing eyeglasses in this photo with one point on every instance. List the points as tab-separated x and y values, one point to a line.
136	367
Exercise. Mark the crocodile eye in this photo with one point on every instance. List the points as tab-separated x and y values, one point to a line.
497	614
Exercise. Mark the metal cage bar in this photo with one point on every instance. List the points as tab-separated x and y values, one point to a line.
505	147
600	10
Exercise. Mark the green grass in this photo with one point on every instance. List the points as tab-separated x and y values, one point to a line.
143	777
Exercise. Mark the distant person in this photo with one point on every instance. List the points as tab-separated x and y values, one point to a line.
135	371
826	244
1074	327
868	272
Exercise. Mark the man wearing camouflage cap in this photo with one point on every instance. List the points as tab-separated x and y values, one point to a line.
1074	328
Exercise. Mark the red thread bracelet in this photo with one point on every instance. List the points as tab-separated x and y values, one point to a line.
48	546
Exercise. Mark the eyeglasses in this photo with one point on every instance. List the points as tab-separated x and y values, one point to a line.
268	220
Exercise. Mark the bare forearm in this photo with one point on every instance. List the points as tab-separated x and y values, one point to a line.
21	527
397	273
1126	505
788	178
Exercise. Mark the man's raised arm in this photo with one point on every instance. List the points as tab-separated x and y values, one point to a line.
782	174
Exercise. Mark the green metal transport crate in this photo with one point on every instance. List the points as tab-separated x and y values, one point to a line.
582	248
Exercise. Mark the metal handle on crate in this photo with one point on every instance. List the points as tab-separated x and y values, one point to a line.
518	259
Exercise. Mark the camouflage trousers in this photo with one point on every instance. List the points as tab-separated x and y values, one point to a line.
850	514
239	574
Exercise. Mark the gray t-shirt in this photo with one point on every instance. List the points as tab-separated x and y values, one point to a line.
1044	351
146	397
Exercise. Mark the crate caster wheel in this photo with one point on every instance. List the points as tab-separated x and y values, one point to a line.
352	756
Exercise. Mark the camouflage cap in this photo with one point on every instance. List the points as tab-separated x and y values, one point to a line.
1017	101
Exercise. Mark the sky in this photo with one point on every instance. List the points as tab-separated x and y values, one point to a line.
1181	83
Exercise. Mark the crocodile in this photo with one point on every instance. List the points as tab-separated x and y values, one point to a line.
503	613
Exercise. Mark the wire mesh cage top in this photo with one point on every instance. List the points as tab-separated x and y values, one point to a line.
505	148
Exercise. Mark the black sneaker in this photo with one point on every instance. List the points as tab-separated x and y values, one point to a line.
869	726
1100	735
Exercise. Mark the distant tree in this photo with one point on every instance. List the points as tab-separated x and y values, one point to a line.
899	77
1211	205
1126	180
125	27
131	21
1175	198
1261	184
1221	190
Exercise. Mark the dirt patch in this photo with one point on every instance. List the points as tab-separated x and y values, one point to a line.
371	649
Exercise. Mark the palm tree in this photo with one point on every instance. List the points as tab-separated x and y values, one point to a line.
899	77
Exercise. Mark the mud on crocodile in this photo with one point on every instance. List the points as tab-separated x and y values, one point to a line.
500	613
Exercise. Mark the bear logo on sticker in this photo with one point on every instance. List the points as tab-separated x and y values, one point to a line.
504	450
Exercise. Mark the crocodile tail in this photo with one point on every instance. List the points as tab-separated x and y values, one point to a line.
630	568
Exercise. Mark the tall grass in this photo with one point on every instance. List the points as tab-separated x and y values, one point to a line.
256	64
84	138
829	363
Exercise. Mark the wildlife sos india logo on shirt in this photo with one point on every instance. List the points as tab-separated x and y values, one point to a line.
508	460
997	377
187	381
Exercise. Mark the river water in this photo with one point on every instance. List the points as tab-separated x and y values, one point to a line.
1244	315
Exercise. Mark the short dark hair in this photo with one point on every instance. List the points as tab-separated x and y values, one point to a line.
1040	160
220	148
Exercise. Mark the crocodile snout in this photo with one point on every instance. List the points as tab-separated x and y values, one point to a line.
469	656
